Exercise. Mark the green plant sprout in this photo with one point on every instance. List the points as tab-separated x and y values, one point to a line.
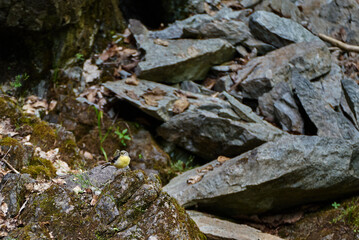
99	115
18	80
349	214
180	166
79	56
335	205
122	136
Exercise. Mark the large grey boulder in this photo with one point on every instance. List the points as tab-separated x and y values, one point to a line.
278	31
280	174
210	135
312	60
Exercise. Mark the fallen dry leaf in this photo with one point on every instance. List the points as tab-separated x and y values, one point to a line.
152	96
222	159
90	71
132	94
109	52
180	105
59	181
77	190
52	105
94	200
4	208
6	128
161	42
205	169
132	80
194	179
88	155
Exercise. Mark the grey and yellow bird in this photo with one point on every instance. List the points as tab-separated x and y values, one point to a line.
120	159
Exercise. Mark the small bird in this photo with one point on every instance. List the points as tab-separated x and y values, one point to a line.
121	159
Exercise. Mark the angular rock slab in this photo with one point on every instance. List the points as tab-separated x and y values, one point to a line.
209	135
327	121
279	106
164	108
183	59
312	60
290	171
351	93
278	31
129	205
215	228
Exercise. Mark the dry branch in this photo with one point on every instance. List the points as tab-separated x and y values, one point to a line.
7	163
339	44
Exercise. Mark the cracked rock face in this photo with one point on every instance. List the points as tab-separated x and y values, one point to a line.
116	205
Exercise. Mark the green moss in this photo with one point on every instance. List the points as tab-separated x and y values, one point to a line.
39	167
8	108
43	136
349	214
69	151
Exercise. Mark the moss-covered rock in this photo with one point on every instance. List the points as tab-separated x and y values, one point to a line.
43	136
39	167
131	205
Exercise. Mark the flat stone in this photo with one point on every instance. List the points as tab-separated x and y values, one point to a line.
183	59
162	108
278	31
215	228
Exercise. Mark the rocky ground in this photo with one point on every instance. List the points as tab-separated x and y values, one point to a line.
240	112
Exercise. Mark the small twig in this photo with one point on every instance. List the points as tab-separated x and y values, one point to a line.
339	44
244	77
7	163
22	207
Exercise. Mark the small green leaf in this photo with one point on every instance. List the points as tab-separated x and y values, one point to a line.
124	131
335	205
